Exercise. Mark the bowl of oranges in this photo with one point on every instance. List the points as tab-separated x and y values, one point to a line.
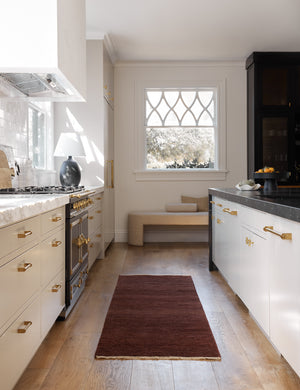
269	175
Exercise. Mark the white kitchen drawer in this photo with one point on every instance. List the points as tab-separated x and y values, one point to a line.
17	235
95	246
52	301
53	258
17	349
19	280
95	219
53	219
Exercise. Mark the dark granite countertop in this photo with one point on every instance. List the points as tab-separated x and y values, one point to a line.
284	202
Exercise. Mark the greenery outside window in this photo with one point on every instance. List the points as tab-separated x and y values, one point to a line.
180	128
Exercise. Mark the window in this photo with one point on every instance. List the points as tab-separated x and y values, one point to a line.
180	128
37	135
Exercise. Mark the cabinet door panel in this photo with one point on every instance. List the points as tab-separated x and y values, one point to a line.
275	86
285	292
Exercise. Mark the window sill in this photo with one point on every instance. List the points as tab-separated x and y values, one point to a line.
175	175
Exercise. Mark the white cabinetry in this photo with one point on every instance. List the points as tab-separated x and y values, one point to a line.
95	122
32	288
258	253
96	229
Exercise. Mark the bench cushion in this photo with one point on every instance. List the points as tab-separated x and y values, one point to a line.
137	220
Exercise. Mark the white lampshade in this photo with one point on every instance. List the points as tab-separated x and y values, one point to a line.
69	144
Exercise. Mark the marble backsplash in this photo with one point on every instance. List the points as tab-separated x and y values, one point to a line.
14	143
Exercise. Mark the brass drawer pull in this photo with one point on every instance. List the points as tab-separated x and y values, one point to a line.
283	236
56	219
91	217
25	234
56	243
219	221
98	211
219	204
23	328
248	241
98	198
56	287
227	210
212	202
24	267
98	235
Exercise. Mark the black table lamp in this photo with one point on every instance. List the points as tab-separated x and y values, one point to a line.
69	144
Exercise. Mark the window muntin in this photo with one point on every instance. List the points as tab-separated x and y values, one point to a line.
180	128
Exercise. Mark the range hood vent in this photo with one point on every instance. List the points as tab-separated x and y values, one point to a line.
33	84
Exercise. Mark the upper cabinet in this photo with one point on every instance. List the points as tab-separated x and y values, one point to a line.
43	50
273	85
108	77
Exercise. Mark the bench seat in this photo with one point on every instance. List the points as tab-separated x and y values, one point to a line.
138	219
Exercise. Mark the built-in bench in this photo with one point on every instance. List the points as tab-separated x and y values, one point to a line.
138	219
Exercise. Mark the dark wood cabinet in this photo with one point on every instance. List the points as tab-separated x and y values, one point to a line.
273	109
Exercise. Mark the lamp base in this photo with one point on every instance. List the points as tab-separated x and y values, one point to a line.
70	174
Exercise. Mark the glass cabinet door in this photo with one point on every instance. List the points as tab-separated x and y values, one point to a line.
275	142
297	84
275	86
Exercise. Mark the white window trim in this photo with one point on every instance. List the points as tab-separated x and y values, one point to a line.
142	174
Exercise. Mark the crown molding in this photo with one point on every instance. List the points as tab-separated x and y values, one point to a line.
96	35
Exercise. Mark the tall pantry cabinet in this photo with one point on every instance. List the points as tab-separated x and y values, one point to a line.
94	121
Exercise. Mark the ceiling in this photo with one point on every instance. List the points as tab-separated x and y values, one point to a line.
194	30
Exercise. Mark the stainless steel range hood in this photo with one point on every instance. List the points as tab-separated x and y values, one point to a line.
43	54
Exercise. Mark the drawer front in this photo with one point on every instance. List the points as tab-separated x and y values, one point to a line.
95	219
19	234
53	259
53	219
19	280
17	349
52	301
95	247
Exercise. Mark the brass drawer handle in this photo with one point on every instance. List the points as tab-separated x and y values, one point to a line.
98	235
56	219
25	234
98	198
23	328
91	217
227	210
98	211
219	204
283	236
219	221
212	202
248	241
56	287
56	243
24	267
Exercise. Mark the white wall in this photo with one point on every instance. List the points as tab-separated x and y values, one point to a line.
153	195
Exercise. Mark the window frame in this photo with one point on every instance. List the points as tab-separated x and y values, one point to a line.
216	173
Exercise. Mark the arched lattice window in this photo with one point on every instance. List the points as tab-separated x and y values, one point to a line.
180	127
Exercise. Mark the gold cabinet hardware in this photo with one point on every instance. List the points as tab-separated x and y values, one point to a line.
91	245
56	219
98	235
25	234
290	104
212	202
219	204
98	198
56	287
231	212
91	217
219	221
23	328
105	86
283	236
98	211
24	267
212	217
111	162
56	243
86	240
75	196
248	241
79	283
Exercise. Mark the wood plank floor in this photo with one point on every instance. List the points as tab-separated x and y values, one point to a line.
65	360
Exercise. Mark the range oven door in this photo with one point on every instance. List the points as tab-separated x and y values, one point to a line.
77	242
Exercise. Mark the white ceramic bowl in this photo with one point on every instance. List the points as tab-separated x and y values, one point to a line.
246	187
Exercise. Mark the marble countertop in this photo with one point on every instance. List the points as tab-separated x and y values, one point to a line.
14	208
284	202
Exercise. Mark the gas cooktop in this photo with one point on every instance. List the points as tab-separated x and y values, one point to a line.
41	190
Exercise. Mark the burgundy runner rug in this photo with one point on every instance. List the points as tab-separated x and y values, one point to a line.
156	317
